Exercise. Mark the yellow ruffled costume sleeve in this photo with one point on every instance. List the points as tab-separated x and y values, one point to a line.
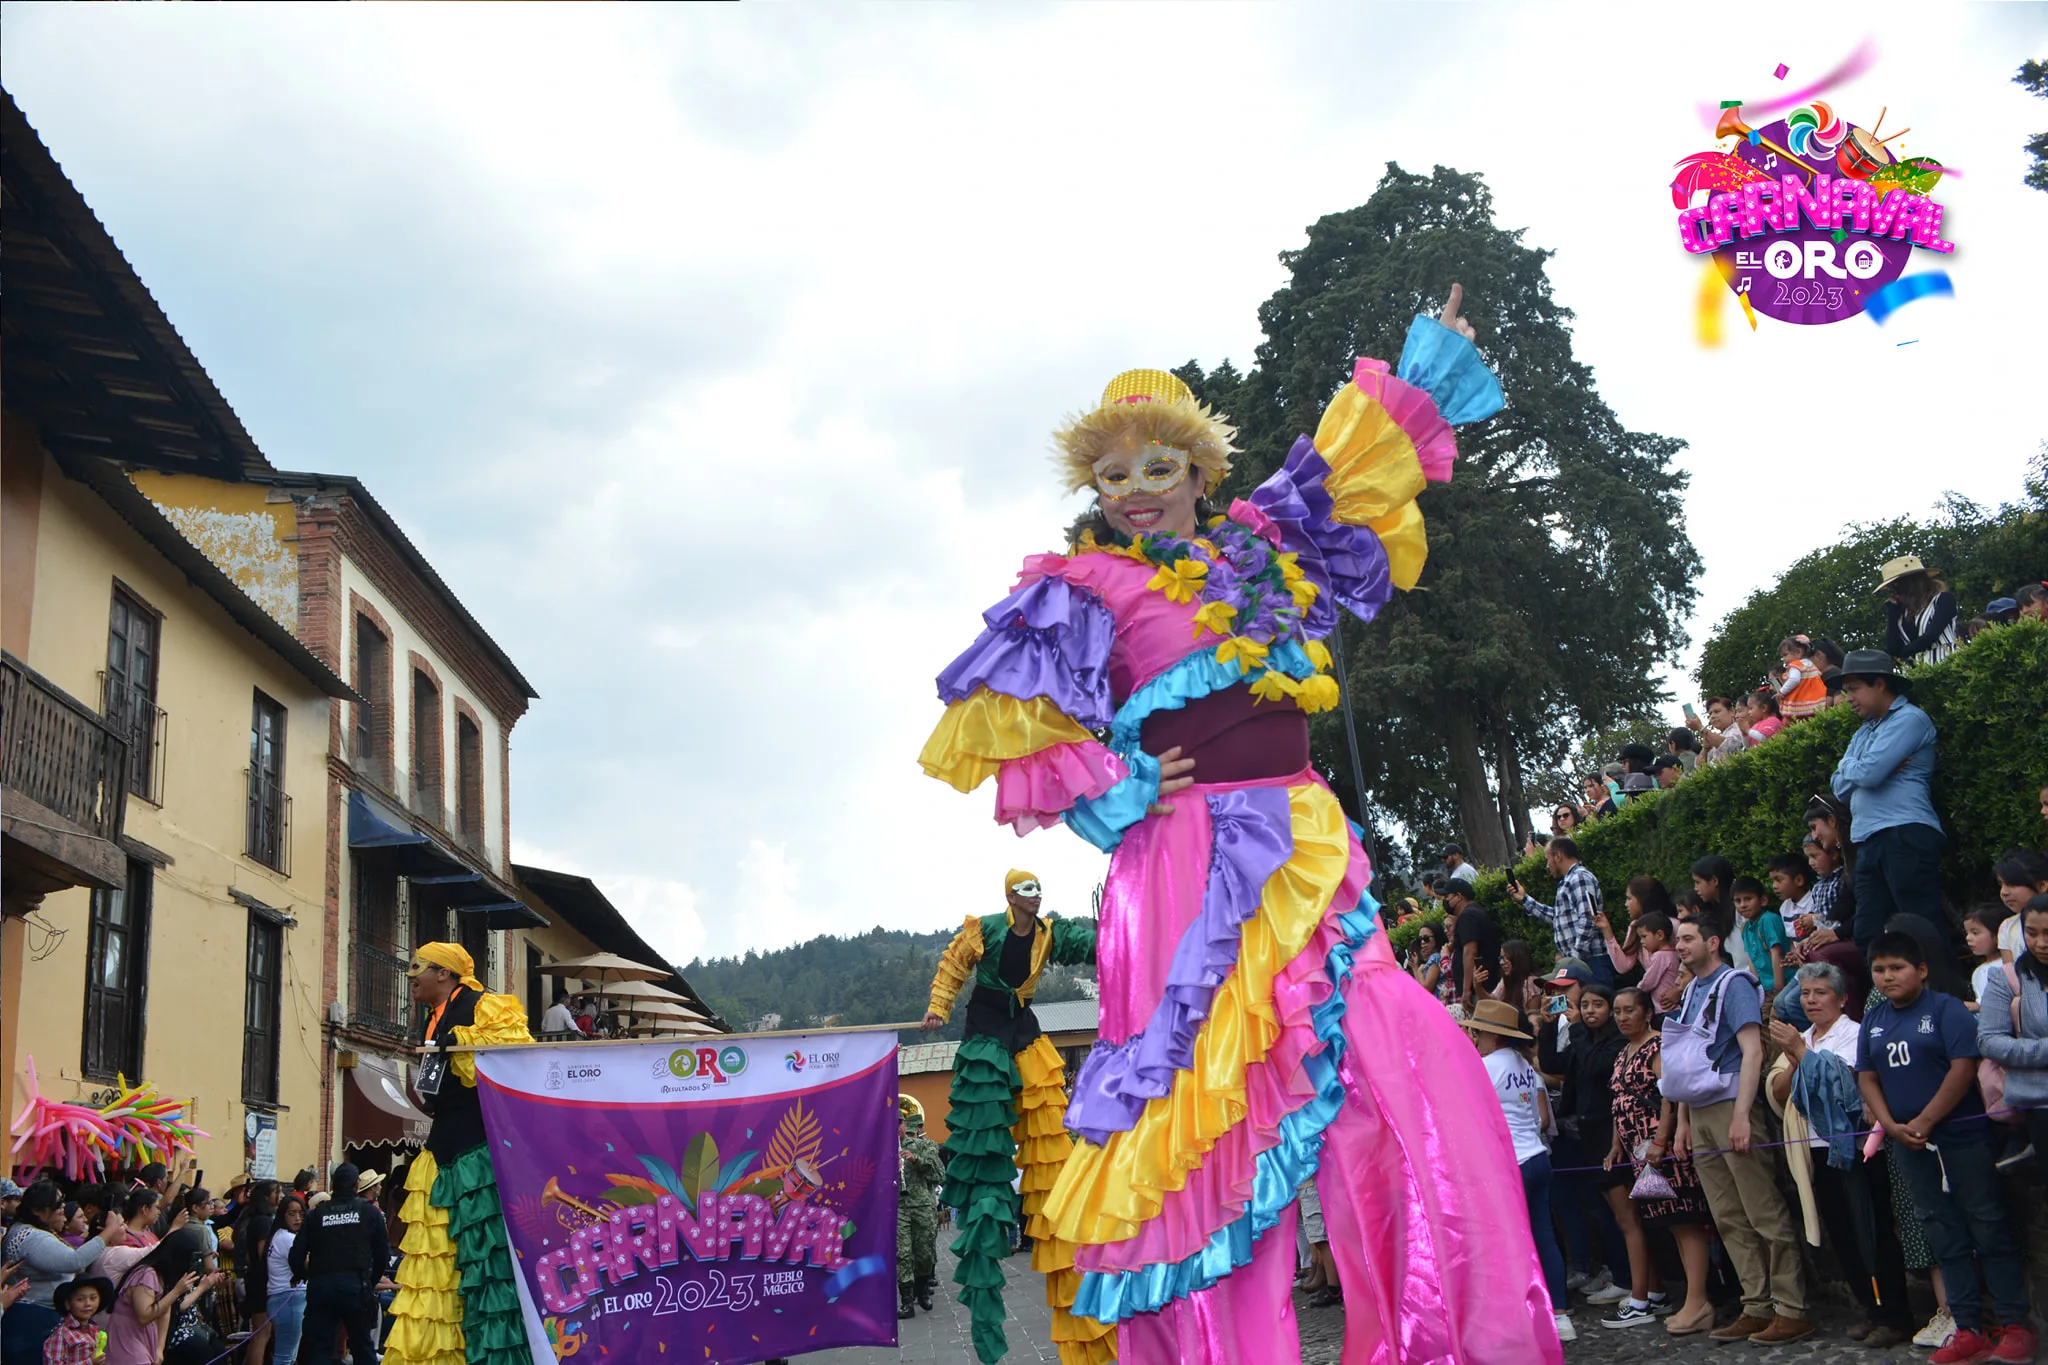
1375	475
985	729
499	1019
956	967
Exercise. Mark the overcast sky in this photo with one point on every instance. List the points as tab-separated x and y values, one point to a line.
710	352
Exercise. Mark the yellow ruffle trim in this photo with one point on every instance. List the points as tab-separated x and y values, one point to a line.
984	730
1105	1193
1374	478
1042	1147
427	1310
499	1019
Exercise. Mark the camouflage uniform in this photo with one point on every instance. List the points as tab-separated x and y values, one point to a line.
917	1219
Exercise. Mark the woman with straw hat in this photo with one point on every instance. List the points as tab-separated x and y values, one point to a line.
1919	612
1255	1026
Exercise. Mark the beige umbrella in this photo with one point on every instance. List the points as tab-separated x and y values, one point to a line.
640	990
672	1028
602	967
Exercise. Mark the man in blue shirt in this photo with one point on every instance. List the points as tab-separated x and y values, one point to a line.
1887	778
1916	1064
1740	1179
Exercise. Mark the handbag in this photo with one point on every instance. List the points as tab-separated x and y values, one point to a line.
1990	1074
1650	1182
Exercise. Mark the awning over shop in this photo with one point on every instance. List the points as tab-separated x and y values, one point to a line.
430	867
376	1111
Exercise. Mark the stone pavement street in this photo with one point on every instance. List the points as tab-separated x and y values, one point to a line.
941	1336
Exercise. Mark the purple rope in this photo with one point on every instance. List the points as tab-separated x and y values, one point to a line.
1859	1134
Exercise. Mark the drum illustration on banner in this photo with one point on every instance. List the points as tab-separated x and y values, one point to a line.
661	1201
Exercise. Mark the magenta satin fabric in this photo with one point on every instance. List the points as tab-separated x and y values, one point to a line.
1153	892
1247	1318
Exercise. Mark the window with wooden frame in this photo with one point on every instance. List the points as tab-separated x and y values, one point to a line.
427	792
116	968
260	999
269	840
134	631
469	780
371	740
378	995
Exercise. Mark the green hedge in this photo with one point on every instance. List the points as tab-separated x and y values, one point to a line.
1989	704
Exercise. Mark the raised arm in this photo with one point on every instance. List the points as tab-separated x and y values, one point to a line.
1344	500
1073	942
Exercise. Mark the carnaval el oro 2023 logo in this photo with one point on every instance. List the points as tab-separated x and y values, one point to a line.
1809	219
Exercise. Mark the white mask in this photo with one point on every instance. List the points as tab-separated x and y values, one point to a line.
1153	469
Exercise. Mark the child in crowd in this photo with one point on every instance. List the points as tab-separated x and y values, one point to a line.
1916	1065
1802	692
1763	934
77	1340
1826	864
1648	941
1981	924
1792	884
1764	720
2022	875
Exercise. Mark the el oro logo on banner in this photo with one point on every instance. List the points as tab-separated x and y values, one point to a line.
1809	217
717	1065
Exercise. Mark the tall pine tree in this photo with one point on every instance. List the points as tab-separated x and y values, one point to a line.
1559	570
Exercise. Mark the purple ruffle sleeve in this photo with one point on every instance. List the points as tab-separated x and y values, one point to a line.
1251	837
1047	639
1348	562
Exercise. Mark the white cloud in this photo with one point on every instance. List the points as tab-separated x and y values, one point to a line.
710	353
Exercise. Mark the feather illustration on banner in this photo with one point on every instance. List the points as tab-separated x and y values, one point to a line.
666	1177
700	1167
860	1173
796	1139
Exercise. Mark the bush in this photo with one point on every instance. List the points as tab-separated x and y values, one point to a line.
1989	704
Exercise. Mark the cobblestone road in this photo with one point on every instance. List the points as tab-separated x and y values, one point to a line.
941	1336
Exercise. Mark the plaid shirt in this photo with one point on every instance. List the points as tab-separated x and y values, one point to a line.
1571	919
1826	892
70	1344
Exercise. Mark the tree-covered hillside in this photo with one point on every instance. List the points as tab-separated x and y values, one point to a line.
883	976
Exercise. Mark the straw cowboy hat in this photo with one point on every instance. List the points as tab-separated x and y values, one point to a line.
1497	1016
1895	569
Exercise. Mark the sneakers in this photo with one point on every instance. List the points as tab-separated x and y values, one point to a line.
1783	1330
1938	1330
1565	1330
2016	1344
1598	1282
1577	1280
1964	1347
1613	1293
1628	1315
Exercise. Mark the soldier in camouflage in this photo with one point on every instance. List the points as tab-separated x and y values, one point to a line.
921	1171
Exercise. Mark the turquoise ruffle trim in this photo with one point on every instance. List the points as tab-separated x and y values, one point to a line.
1102	820
1447	367
1111	1296
1195	676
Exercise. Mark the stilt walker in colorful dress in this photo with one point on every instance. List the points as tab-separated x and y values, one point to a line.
456	1302
1008	1100
1256	1029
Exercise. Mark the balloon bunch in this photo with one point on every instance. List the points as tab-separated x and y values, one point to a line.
136	1126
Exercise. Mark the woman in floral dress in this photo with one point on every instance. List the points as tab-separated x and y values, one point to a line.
1644	1122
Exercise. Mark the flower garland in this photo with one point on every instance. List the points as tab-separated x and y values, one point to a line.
1252	594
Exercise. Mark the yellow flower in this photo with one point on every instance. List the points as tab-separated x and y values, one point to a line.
1248	653
1180	580
1318	654
1273	685
1207	544
1304	590
1216	616
1289	569
1318	693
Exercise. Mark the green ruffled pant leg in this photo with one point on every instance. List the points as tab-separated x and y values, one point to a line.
981	1162
492	1328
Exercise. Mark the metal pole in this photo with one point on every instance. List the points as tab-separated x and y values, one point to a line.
1351	736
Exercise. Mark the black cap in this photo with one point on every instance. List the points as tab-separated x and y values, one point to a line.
1449	849
345	1177
1664	761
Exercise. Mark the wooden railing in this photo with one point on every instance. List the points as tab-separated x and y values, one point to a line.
59	752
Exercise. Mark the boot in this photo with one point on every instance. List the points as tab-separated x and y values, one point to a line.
905	1309
924	1293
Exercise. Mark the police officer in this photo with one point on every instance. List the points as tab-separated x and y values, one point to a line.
340	1254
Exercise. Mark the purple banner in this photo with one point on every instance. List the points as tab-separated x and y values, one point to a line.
721	1202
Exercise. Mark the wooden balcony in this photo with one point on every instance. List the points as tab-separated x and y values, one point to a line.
65	770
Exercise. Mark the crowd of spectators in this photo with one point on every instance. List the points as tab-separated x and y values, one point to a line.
155	1269
1811	1051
